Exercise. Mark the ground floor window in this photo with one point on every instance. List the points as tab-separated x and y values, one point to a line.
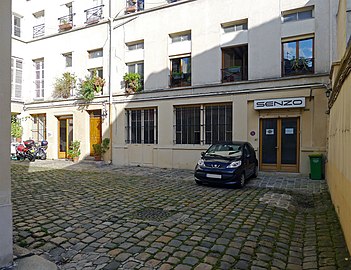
39	127
141	126
203	124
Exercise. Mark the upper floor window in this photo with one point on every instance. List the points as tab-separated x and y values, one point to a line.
235	63
17	25
135	46
180	72
297	15
180	38
134	5
234	26
95	53
39	78
68	59
298	57
97	72
16	77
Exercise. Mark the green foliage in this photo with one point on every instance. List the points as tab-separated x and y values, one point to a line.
16	127
74	150
90	86
133	82
64	85
101	148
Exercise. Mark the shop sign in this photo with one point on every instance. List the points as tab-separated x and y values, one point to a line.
279	103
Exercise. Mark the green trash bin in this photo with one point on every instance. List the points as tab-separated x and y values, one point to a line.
316	166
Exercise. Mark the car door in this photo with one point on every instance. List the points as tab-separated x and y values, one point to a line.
247	161
251	159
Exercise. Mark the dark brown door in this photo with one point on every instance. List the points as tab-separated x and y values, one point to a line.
279	144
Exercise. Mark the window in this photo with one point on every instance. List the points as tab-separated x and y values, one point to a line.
180	72
135	46
39	78
215	125
234	27
142	126
39	127
235	63
291	16
137	68
16	26
16	77
68	59
95	53
180	38
298	57
99	72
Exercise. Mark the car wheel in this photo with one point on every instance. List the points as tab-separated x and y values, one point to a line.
242	180
255	173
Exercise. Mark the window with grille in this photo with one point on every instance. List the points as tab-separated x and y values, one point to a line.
203	124
16	77
39	127
39	78
141	126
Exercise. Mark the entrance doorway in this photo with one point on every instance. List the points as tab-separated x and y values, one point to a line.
95	129
65	126
279	144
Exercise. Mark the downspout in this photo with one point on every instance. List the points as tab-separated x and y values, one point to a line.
109	78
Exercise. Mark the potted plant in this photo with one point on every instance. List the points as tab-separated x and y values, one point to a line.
132	82
74	151
16	128
64	85
101	148
65	25
90	86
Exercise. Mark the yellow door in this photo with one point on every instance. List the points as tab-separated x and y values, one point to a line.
95	131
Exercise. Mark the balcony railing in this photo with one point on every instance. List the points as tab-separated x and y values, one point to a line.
298	66
180	80
233	74
66	22
93	15
38	30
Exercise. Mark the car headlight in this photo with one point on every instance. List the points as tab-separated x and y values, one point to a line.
201	162
234	164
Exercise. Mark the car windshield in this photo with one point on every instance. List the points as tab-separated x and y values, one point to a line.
225	150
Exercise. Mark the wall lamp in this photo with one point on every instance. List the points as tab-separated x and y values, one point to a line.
328	92
104	112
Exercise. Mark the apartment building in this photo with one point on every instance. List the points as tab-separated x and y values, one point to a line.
208	72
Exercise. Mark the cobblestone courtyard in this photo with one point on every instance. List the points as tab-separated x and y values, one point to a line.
104	217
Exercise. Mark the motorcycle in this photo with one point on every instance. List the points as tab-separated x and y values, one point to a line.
31	150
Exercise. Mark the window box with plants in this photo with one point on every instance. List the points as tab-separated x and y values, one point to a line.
74	151
90	86
132	82
64	85
101	148
65	25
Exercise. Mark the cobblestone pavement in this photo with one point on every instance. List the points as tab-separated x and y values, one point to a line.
95	216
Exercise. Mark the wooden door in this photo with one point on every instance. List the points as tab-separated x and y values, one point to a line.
95	130
65	127
279	144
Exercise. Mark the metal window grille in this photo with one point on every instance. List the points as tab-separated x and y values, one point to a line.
205	124
142	126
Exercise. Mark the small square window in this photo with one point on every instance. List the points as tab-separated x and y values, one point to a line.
95	53
68	59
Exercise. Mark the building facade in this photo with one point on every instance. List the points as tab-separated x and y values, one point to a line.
339	137
204	74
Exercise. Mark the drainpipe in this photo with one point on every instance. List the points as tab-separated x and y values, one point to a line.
109	78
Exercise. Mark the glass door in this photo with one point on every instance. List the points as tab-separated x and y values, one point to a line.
65	136
279	144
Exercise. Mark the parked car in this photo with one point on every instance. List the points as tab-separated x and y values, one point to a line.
227	163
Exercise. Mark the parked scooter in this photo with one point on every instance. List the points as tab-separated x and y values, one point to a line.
31	150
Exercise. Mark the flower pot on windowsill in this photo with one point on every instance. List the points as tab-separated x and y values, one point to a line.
131	9
65	26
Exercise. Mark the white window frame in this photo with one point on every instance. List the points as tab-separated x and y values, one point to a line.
39	80
297	12
135	46
68	56
97	53
16	78
180	37
16	29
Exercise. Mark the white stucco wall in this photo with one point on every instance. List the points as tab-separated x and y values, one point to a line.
5	179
